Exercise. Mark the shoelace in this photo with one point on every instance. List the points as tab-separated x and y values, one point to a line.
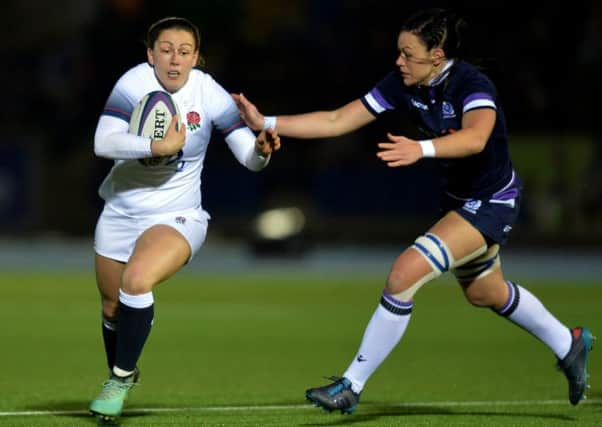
337	386
111	388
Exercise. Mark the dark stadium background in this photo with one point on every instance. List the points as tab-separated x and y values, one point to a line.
60	60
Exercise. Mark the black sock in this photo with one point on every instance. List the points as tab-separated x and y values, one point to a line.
109	336
134	328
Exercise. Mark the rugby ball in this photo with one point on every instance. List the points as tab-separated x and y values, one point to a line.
151	118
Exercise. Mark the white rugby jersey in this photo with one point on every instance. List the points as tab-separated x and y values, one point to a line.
134	188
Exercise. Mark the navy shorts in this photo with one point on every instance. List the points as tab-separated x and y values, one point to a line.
493	216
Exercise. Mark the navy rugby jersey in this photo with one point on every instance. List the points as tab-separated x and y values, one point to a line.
438	110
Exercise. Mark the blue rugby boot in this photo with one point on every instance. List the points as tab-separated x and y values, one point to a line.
108	405
574	365
335	396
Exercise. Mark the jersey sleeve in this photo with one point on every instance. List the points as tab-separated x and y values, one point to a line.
112	139
242	144
478	92
385	95
221	108
120	103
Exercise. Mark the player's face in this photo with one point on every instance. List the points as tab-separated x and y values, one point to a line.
417	64
173	56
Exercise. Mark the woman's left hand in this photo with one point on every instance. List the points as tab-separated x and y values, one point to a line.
267	142
401	151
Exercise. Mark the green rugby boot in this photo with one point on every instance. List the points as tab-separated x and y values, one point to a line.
574	365
108	404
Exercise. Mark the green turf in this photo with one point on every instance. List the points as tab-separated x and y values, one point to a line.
239	350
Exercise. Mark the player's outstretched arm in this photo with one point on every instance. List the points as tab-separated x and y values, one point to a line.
317	124
477	126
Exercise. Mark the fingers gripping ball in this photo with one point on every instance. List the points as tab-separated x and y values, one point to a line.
151	118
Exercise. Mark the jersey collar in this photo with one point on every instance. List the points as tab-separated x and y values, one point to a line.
443	75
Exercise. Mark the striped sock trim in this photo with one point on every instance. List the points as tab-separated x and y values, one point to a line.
394	305
512	302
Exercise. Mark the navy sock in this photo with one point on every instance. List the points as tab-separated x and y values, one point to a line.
134	328
109	337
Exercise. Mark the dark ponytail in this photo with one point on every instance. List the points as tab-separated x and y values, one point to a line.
440	28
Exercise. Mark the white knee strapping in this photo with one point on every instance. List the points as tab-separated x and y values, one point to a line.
435	251
438	255
478	267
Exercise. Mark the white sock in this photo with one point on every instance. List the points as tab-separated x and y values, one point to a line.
385	329
524	309
121	373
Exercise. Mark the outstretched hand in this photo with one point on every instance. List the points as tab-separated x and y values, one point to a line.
267	142
401	151
248	112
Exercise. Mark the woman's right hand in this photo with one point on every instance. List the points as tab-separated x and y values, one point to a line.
172	142
248	112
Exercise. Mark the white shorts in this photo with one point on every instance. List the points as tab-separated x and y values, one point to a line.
116	234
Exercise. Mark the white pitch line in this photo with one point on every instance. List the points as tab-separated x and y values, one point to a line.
449	404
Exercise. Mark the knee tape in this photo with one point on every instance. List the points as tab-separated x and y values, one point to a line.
478	267
438	255
435	251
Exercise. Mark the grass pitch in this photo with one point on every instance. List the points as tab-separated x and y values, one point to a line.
240	349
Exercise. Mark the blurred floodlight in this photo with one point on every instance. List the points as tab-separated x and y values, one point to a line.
279	223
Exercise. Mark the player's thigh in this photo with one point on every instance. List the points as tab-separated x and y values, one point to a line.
152	247
168	242
159	253
412	268
460	236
